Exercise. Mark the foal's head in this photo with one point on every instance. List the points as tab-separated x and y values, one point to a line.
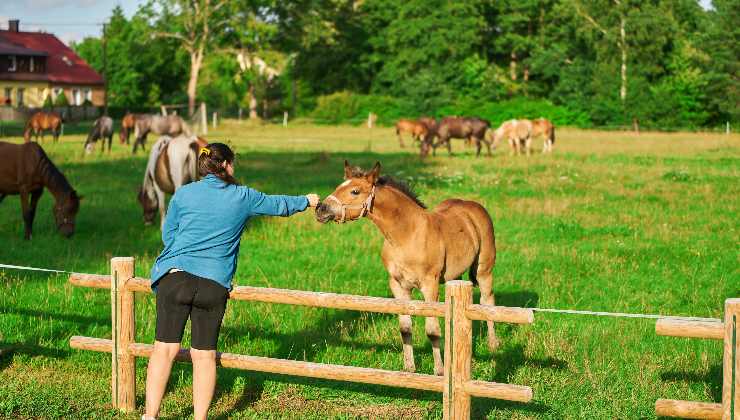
149	204
65	212
353	198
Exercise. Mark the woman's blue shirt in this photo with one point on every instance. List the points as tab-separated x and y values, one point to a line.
204	225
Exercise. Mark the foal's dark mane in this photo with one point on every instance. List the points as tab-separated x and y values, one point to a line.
389	181
53	178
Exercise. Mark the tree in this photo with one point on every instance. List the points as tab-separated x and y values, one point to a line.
194	24
720	40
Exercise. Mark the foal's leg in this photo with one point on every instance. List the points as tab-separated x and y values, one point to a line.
400	292
434	333
477	147
484	276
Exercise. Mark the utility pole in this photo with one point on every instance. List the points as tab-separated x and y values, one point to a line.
105	72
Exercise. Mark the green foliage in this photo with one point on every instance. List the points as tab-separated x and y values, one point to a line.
681	61
348	107
61	100
48	103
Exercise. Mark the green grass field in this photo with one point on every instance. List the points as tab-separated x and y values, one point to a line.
611	221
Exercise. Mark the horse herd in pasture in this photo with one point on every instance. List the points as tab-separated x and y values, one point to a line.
27	169
140	124
422	248
431	133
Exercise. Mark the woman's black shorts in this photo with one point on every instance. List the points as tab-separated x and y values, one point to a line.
181	295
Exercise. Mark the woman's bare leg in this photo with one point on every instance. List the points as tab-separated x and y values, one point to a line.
204	381
158	373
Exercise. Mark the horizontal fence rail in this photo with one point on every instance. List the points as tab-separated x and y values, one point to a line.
726	331
690	329
331	300
456	386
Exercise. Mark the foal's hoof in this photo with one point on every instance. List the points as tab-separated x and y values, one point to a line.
439	371
409	367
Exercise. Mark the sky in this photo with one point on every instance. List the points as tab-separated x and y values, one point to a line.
72	20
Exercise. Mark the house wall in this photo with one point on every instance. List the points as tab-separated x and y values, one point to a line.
33	93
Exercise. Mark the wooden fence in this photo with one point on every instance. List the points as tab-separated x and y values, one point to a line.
729	409
458	310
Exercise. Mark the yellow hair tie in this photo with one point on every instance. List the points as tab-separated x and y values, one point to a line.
204	151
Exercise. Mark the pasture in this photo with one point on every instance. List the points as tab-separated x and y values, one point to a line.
610	221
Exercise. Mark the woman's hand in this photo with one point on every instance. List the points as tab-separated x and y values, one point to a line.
313	200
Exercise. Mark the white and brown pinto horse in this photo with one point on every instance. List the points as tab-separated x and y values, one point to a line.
173	162
168	125
422	249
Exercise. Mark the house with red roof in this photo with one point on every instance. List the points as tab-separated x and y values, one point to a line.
34	65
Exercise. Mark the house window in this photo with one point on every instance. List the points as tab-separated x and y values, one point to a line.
8	95
19	96
88	94
12	63
76	97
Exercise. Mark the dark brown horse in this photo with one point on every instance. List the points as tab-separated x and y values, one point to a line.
26	170
40	122
471	129
422	249
127	124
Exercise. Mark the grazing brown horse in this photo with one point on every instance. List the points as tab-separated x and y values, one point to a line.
170	125
422	249
415	128
544	127
471	129
127	124
40	122
26	170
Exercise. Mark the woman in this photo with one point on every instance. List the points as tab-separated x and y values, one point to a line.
192	276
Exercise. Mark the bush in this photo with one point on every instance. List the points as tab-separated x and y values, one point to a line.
61	100
347	107
48	102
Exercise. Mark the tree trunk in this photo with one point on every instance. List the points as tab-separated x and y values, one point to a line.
252	103
512	66
195	62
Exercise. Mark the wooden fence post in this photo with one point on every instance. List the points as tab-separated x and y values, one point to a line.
215	119
123	378
731	365
458	350
285	118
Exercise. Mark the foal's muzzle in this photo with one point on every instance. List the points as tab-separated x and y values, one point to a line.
324	213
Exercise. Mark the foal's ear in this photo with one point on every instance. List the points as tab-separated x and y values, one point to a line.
347	170
374	174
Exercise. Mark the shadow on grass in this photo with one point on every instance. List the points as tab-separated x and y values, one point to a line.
711	379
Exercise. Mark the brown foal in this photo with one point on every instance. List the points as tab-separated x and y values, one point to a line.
422	249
